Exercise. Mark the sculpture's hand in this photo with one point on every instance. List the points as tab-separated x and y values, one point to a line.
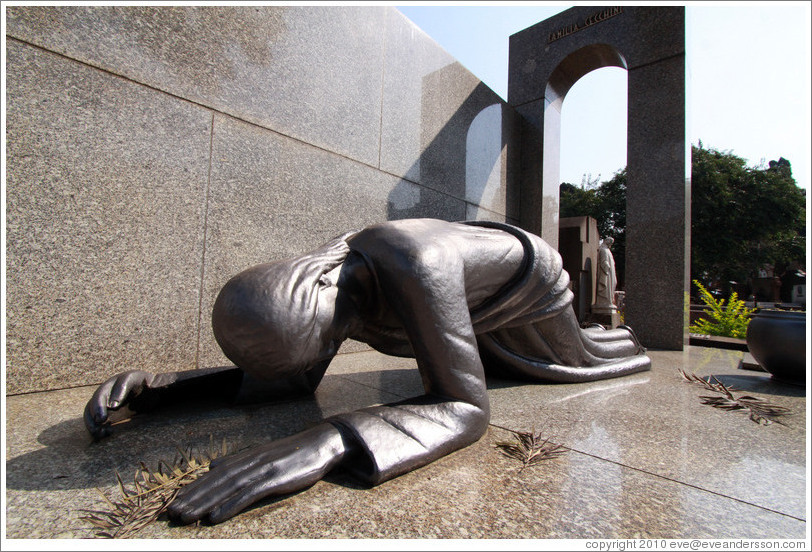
113	394
237	481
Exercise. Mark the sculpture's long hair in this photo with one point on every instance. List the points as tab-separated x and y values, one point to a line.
264	317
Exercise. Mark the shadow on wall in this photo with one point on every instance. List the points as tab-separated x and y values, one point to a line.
463	157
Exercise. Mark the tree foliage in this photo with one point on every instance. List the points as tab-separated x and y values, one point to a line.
741	217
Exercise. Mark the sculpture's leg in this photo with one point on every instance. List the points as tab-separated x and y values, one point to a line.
557	349
564	337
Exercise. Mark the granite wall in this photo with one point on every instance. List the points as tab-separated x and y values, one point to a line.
153	152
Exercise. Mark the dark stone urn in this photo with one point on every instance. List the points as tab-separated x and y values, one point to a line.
777	340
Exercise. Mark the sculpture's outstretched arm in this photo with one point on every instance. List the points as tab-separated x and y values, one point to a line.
422	280
142	391
425	287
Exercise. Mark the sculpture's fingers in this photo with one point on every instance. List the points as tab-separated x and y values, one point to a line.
96	430
232	462
219	461
99	401
123	386
194	501
242	499
188	507
273	480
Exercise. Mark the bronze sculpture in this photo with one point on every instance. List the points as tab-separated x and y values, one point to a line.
458	297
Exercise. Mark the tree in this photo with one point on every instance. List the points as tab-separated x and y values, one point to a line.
575	201
743	217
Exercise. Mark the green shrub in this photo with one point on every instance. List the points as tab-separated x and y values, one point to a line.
728	321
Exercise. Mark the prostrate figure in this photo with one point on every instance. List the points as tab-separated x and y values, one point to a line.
458	297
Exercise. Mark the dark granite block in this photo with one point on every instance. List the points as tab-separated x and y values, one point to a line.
657	216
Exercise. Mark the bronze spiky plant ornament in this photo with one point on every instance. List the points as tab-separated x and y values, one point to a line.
151	493
530	448
761	411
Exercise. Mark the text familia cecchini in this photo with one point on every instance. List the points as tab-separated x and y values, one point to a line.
597	17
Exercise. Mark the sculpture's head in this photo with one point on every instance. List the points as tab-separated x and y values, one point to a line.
607	242
276	320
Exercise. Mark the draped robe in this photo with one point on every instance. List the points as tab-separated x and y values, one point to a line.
518	332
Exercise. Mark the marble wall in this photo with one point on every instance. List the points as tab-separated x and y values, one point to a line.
153	152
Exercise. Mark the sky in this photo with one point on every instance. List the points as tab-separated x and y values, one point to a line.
748	80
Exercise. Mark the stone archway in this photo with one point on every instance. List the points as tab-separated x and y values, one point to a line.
649	42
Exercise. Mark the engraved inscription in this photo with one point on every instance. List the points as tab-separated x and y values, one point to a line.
597	17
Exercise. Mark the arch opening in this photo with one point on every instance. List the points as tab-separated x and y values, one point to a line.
562	79
576	65
593	182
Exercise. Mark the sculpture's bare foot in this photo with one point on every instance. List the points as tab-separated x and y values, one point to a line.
640	348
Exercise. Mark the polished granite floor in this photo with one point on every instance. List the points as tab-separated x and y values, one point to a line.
646	459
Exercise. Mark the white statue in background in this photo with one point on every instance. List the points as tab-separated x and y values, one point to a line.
607	278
